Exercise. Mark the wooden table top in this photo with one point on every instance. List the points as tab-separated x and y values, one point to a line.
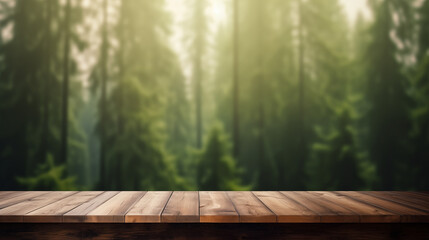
214	207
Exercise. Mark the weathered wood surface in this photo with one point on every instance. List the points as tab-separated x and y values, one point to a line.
182	207
114	209
149	208
214	207
217	207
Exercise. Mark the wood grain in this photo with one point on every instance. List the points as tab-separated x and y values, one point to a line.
367	213
407	214
18	197
149	208
216	207
286	209
182	207
54	211
10	194
15	213
250	208
404	198
78	214
329	212
114	209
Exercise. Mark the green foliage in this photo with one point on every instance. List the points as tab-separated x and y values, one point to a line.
419	133
136	158
336	161
29	103
386	92
48	176
323	103
217	170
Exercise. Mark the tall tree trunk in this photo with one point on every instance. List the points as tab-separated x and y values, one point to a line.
121	64
199	15
104	47
301	120
65	92
261	88
236	120
47	85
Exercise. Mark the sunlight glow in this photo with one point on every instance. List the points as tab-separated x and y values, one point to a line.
355	7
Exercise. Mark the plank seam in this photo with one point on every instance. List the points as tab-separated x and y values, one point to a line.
265	206
84	216
134	203
199	214
166	203
342	205
293	200
394	201
374	205
235	208
62	215
52	202
24	200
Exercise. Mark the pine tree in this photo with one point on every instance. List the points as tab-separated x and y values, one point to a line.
198	46
419	112
217	170
30	76
65	87
388	122
136	157
236	85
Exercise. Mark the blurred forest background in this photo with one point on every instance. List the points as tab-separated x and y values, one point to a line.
214	95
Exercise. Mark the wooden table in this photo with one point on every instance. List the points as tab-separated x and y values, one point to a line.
191	214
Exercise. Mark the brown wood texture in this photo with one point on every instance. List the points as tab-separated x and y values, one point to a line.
79	213
286	209
54	212
407	214
149	208
114	209
10	194
217	207
329	212
404	198
367	213
182	207
13	198
214	207
16	212
250	208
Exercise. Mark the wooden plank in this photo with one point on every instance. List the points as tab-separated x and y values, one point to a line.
422	193
9	194
328	211
403	198
216	207
286	209
114	209
250	208
15	213
79	213
416	197
54	211
419	195
182	207
149	208
407	214
18	197
367	213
